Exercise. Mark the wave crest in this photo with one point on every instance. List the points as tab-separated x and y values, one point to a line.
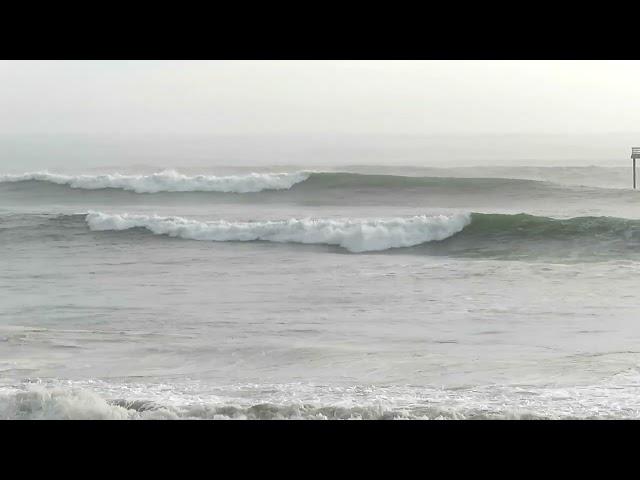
355	235
168	181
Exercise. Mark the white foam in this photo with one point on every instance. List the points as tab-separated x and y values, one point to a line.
356	235
612	398
169	181
44	402
40	403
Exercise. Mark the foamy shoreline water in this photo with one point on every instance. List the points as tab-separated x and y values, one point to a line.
47	400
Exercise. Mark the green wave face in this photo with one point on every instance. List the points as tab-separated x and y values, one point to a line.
491	236
533	227
345	180
533	238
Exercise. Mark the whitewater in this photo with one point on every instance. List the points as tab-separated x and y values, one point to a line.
354	235
167	181
373	292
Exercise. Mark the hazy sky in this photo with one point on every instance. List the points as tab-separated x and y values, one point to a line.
394	97
423	98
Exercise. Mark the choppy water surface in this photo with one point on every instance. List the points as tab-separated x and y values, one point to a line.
367	293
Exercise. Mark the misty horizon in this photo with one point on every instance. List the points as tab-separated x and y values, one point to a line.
66	151
90	114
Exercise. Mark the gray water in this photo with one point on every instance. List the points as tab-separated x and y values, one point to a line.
494	292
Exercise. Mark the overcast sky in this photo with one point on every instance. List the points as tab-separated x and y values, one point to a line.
423	98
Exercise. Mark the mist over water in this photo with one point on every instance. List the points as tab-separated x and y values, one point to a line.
203	153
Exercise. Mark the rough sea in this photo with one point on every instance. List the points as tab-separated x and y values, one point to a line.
287	293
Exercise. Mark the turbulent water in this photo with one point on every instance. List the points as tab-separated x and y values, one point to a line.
373	292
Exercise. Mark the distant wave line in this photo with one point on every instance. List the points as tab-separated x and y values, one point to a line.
172	181
168	181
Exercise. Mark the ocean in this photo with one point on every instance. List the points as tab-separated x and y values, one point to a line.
283	292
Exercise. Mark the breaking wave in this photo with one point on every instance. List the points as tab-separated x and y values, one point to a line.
355	235
38	403
610	398
168	181
173	181
488	235
467	234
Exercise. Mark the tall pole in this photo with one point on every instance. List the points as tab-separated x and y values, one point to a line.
634	173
